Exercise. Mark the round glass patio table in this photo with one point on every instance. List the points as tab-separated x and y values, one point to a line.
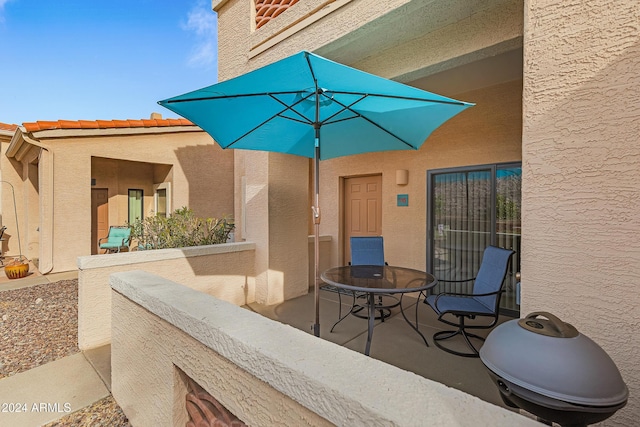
375	280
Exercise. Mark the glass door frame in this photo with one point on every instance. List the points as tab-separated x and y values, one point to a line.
432	173
133	192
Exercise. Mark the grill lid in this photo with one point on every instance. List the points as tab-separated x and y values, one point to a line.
551	358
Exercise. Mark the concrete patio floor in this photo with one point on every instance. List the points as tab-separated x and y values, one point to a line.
394	341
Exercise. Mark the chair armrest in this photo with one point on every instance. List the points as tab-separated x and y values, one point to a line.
456	281
461	294
101	239
464	295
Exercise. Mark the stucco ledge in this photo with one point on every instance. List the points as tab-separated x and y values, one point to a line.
136	257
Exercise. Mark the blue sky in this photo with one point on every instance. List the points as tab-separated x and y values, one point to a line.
102	60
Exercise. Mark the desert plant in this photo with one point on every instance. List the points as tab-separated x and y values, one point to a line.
180	229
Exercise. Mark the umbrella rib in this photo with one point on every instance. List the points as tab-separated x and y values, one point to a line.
358	115
293	119
279	114
344	108
250	131
241	95
290	108
404	98
312	71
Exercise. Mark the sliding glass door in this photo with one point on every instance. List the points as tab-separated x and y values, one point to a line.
468	209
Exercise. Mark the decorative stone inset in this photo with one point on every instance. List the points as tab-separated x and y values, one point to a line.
204	410
266	10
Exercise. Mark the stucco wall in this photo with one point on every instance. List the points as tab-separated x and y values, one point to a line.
264	372
448	34
486	133
119	176
272	211
11	171
581	175
202	178
365	34
224	270
325	257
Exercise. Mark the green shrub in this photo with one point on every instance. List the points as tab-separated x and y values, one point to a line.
180	229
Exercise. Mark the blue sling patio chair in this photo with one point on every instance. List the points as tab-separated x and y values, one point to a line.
119	238
366	250
483	300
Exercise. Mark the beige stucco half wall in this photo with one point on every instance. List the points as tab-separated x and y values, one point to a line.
225	271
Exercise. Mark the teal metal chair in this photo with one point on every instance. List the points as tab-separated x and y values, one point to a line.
119	238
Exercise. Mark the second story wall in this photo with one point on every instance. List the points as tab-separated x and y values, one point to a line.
399	39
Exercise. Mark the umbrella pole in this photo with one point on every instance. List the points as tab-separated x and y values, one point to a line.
316	242
316	212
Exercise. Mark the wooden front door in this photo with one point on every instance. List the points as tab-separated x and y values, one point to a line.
362	208
99	217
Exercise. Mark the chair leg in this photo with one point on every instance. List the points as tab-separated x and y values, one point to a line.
444	335
415	327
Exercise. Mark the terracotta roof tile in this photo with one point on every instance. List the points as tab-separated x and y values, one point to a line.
135	123
46	124
121	123
154	122
88	124
98	124
68	124
104	124
267	10
7	126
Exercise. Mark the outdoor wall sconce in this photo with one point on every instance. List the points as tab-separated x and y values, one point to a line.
402	177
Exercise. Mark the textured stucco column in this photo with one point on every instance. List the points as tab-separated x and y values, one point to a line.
32	211
45	183
581	174
277	215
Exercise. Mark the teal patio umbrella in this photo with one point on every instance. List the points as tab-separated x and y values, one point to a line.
313	107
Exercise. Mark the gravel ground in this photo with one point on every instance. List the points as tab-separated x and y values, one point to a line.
39	324
103	413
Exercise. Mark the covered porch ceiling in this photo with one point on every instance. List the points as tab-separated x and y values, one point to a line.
447	47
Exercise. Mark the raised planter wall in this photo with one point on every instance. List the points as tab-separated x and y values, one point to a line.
263	372
225	271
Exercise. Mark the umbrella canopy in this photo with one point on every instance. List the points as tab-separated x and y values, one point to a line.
313	107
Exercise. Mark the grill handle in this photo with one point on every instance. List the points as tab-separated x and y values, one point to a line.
553	327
